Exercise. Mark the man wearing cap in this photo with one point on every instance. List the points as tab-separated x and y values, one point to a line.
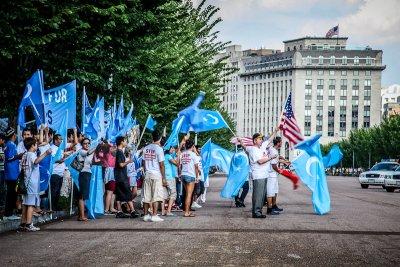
258	165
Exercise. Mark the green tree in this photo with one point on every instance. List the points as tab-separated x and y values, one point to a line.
156	54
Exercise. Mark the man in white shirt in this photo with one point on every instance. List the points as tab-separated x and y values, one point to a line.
258	165
153	163
26	132
272	184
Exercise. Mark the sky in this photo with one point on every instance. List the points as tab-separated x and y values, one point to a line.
266	23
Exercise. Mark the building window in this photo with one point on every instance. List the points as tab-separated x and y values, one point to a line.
343	102
332	91
355	73
344	73
308	60
308	91
356	60
332	81
367	113
367	102
307	132
367	73
368	60
308	72
342	133
320	60
367	82
354	102
320	72
356	82
332	60
331	72
344	60
320	82
367	93
343	82
354	124
307	112
308	82
366	124
331	102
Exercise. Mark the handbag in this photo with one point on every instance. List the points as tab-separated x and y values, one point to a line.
21	188
77	164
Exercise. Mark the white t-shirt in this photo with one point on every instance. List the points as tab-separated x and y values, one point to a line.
58	168
188	161
272	152
258	171
153	154
21	148
201	169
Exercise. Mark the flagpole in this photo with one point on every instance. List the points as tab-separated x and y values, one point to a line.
144	129
83	110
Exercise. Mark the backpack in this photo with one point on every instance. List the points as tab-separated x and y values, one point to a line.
21	187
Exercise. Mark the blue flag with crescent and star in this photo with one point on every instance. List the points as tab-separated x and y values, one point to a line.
33	97
309	166
237	176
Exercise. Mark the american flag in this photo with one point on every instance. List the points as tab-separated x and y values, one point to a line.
247	141
332	32
288	124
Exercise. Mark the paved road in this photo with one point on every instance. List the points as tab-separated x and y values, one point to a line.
362	228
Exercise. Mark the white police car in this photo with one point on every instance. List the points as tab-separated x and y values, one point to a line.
392	180
373	176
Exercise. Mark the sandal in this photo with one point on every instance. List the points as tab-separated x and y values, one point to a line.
190	215
83	219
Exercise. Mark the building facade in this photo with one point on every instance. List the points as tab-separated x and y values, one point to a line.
334	90
390	100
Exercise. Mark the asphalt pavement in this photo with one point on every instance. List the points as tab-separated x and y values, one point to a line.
363	228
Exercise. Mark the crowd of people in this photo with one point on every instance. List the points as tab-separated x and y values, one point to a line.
171	178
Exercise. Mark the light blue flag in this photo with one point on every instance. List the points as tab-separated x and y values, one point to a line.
120	115
33	97
206	158
59	100
220	157
150	123
238	173
310	168
173	139
95	128
95	203
201	120
86	110
334	156
208	120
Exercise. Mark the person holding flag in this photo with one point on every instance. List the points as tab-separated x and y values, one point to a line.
259	168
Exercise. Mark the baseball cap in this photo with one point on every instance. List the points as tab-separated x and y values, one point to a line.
9	132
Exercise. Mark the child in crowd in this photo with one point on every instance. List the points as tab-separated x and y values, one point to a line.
30	166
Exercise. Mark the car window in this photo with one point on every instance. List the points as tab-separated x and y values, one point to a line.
398	169
384	167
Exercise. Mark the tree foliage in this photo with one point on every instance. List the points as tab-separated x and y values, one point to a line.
371	145
157	54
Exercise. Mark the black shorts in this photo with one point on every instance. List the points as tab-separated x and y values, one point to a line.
123	191
84	185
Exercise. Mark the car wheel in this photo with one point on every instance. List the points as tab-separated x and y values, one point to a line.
364	186
390	189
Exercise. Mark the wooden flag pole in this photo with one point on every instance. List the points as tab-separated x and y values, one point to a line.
144	129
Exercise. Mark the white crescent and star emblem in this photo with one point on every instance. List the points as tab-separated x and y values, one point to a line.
310	161
29	91
216	120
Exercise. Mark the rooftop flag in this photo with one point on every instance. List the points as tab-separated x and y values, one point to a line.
332	32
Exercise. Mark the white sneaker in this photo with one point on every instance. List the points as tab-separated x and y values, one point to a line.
31	228
147	218
195	205
12	218
156	219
